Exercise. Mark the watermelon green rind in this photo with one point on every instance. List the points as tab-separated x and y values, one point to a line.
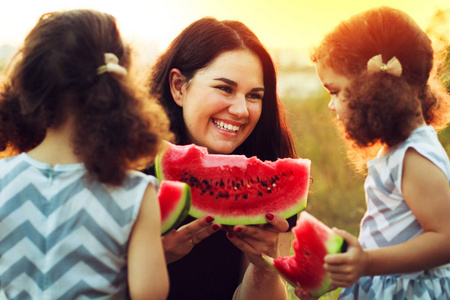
179	212
250	219
158	172
334	245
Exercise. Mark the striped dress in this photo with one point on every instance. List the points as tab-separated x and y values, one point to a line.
62	236
389	221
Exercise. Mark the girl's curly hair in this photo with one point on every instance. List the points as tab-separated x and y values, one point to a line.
385	108
54	75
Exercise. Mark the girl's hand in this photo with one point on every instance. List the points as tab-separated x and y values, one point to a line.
346	268
255	240
179	242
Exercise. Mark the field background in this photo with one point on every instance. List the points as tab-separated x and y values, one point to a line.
336	194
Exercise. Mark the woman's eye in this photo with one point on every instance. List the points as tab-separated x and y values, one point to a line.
255	96
225	88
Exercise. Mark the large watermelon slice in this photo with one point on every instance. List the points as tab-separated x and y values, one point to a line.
233	188
312	241
174	203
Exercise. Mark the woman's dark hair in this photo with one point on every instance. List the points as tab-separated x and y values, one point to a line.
194	49
385	107
54	76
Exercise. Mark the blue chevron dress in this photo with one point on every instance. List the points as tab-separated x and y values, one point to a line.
62	237
389	221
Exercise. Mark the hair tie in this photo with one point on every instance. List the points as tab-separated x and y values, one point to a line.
112	66
393	66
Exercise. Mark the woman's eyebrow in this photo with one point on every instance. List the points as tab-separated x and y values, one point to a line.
228	81
234	84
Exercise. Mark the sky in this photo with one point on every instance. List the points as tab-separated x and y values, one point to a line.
278	23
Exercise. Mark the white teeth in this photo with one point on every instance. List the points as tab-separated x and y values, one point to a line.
227	127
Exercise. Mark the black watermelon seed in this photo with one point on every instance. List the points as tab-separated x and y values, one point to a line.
260	194
245	196
212	193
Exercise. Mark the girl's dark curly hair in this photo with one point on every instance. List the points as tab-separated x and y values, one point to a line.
55	76
385	108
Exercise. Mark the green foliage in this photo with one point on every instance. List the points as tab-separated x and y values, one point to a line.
336	193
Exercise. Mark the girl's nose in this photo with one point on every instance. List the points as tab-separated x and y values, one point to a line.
238	107
331	105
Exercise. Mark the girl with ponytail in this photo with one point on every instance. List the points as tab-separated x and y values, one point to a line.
376	67
77	124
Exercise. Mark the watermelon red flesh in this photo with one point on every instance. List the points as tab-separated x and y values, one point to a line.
236	189
313	240
174	203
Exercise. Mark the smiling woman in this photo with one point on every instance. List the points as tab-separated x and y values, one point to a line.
221	103
218	85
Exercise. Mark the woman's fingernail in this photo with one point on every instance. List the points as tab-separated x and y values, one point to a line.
215	227
239	229
230	235
269	216
209	219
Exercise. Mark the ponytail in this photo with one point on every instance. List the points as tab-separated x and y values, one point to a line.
384	109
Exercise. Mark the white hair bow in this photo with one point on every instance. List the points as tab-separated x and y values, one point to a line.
393	66
112	66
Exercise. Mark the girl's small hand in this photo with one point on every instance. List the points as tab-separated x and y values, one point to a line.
179	242
255	240
346	268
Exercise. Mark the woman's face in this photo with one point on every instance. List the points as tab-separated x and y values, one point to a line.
222	103
335	84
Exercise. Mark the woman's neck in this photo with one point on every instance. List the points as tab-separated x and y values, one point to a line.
57	146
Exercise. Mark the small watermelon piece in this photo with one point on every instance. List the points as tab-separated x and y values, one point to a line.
312	241
233	188
174	203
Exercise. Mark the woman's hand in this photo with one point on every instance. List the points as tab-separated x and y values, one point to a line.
179	242
345	269
302	294
255	240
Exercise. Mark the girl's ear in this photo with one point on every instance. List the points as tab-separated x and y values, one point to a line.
176	82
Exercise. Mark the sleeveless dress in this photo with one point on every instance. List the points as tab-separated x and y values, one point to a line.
61	235
389	221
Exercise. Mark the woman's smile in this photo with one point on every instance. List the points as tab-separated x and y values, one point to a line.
225	126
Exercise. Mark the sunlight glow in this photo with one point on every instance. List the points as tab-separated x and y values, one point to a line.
278	23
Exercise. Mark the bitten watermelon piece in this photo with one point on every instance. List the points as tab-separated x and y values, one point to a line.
312	241
174	203
233	188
